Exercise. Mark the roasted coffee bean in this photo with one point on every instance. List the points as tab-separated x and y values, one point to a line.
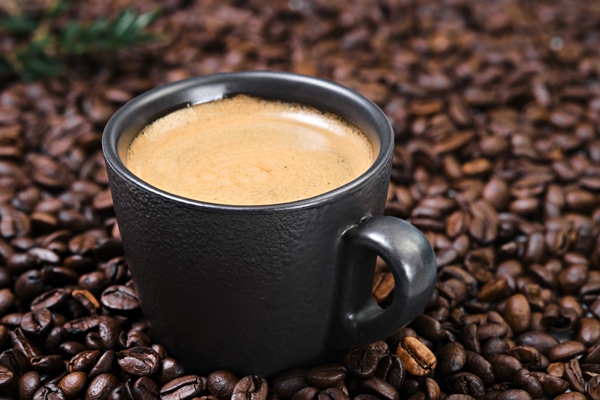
47	364
7	299
101	387
517	313
551	385
428	327
29	383
221	384
451	358
365	397
573	376
81	326
593	389
363	361
49	392
251	387
52	299
380	388
570	396
106	363
7	378
109	329
29	285
134	338
37	323
170	369
396	373
120	298
467	383
494	346
566	350
479	366
326	375
289	382
24	345
528	356
459	397
84	361
306	393
394	340
524	380
72	384
514	394
542	341
416	357
504	366
144	389
185	387
139	361
588	331
332	393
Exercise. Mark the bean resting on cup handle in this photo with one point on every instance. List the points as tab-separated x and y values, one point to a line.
412	262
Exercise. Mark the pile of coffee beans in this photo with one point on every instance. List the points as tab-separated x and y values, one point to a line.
496	110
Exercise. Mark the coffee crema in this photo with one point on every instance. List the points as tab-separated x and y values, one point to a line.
249	151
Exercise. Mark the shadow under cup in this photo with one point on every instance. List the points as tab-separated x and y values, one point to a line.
259	289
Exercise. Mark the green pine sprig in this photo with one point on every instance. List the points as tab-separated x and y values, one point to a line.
44	53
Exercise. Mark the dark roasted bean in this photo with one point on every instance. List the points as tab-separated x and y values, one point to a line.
467	383
504	366
49	392
566	350
101	387
29	383
106	363
72	384
514	394
306	393
551	385
380	388
363	361
145	389
542	341
169	370
251	387
573	376
326	375
221	384
332	393
524	380
84	361
139	361
183	388
451	358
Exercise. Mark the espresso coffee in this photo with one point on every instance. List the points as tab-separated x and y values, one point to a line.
245	150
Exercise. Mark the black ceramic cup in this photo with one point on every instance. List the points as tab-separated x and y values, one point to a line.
259	289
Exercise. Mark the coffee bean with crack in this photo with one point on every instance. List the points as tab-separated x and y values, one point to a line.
185	387
251	387
139	361
416	357
120	298
363	361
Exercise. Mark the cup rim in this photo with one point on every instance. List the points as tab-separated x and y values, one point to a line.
116	124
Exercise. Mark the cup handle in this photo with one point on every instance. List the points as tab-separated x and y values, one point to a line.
411	259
